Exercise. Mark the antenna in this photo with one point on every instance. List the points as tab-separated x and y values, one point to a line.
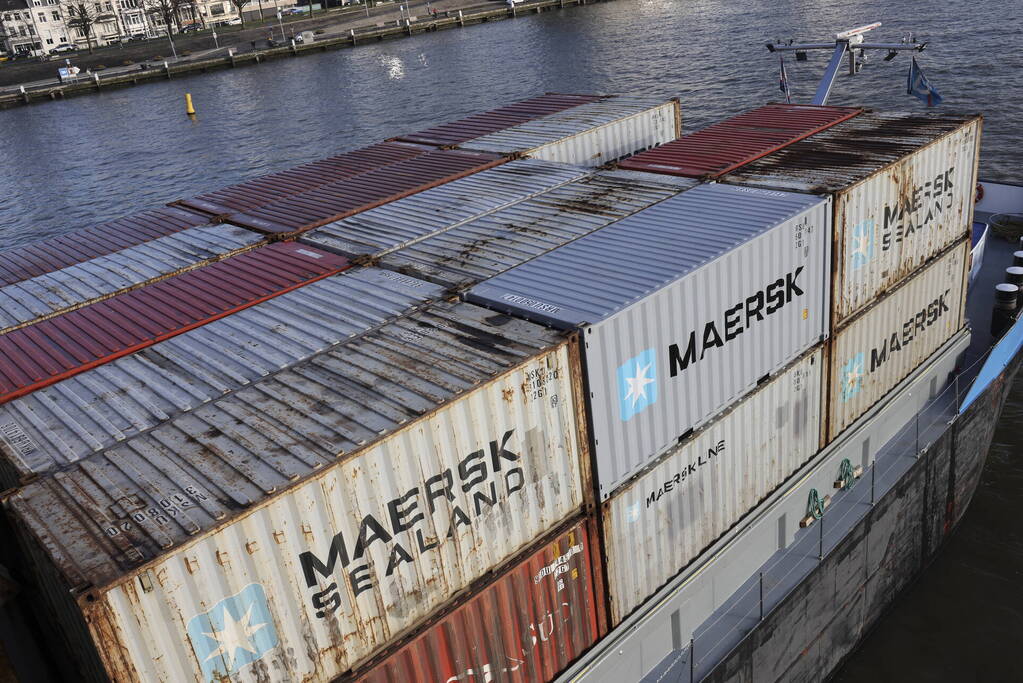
851	42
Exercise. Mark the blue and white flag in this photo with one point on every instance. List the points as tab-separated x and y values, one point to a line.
917	84
783	82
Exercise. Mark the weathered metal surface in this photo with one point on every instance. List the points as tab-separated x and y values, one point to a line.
476	125
590	134
876	350
658	523
61	347
336	200
903	189
343	500
683	306
274	186
527	625
59	291
408	220
479	249
729	144
61	424
53	253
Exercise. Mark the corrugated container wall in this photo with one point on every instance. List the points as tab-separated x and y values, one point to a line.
61	424
658	523
874	352
683	307
526	626
591	134
59	291
903	188
333	506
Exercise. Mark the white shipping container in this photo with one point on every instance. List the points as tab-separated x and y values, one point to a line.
291	529
658	523
683	308
874	352
590	134
903	188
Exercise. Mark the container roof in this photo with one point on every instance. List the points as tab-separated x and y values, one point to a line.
596	276
53	253
850	152
337	200
476	125
729	144
39	355
255	444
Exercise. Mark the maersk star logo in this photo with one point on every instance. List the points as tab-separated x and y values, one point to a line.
236	632
861	244
852	376
637	384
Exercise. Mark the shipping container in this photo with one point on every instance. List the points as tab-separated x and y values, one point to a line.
590	134
59	291
526	626
61	347
683	306
332	506
336	200
883	345
273	186
476	125
36	258
416	217
658	523
479	249
63	423
903	188
729	144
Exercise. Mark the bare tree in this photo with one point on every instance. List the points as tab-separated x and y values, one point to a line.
82	16
240	4
162	10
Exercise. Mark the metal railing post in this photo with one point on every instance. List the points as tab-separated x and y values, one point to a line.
820	556
692	660
873	473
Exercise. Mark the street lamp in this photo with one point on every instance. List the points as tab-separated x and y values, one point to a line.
280	22
215	43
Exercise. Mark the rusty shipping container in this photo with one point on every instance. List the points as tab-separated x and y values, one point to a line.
683	306
663	519
590	134
903	191
526	626
61	424
883	345
476	125
330	507
44	296
47	352
729	144
43	256
336	200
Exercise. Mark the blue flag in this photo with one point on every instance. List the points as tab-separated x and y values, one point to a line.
783	82
918	85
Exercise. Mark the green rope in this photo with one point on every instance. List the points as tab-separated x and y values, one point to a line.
845	474
814	505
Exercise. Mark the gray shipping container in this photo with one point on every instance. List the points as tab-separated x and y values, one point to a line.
683	307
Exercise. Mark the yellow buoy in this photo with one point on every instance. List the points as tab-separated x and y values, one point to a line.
189	109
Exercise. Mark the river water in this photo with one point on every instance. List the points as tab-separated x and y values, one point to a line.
68	164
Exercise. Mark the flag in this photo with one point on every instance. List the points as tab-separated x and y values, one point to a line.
783	82
918	85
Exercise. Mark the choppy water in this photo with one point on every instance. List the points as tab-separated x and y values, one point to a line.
72	163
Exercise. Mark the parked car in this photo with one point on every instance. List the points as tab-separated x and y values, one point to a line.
233	21
20	55
134	37
293	10
191	28
63	47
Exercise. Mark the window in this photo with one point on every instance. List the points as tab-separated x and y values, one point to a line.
22	32
217	10
31	30
7	17
110	7
37	3
80	32
49	41
56	15
42	17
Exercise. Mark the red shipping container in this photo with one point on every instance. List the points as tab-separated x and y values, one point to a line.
39	355
337	200
53	253
273	186
476	125
727	145
527	625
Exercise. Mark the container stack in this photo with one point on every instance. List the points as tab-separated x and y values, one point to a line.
487	404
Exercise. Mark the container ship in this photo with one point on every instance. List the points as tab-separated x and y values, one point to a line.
552	392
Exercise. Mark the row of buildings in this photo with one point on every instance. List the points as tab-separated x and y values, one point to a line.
38	26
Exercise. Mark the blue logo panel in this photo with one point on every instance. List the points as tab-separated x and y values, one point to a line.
852	376
861	244
637	384
238	630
